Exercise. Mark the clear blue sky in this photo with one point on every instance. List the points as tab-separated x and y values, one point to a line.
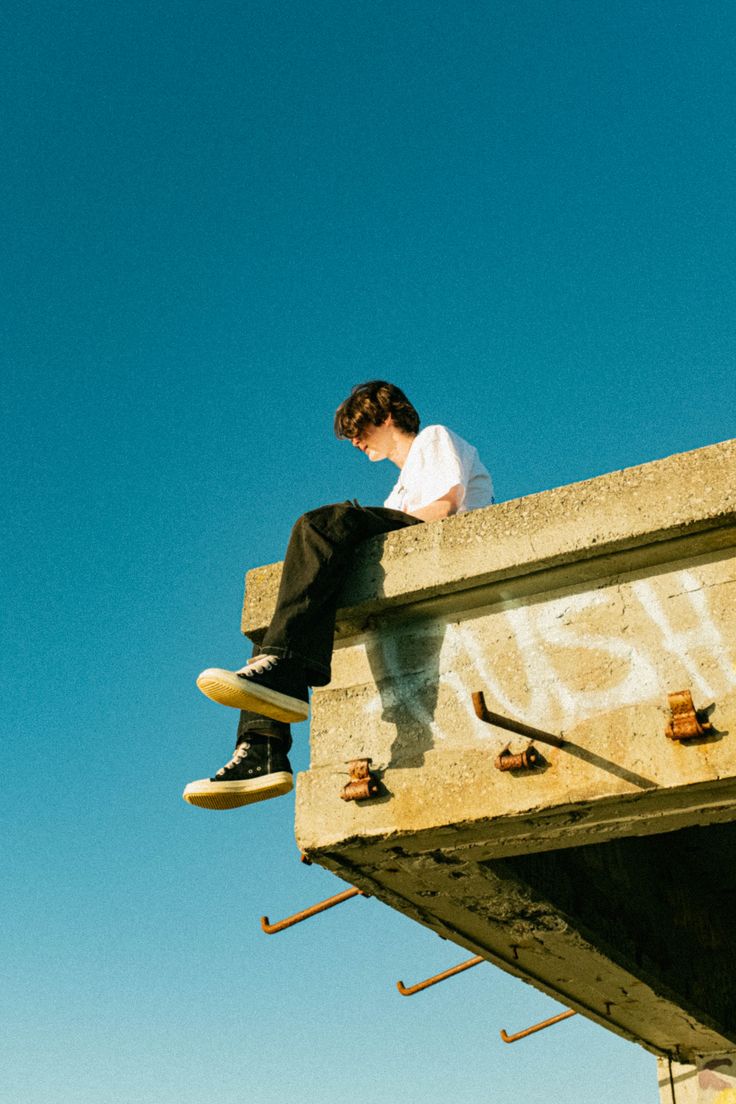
216	218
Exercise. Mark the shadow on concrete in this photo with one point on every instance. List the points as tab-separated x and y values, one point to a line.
405	662
404	658
606	765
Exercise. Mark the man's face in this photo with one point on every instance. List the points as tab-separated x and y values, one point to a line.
375	441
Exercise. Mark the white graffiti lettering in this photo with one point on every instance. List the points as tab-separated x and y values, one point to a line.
624	668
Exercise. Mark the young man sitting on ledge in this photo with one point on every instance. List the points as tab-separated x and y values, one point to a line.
440	474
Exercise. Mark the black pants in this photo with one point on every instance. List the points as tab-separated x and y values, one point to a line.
318	558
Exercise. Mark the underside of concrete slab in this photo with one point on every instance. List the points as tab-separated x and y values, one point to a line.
635	933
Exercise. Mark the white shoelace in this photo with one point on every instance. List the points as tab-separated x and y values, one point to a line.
239	754
257	665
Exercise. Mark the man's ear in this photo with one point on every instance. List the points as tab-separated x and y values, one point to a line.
389	421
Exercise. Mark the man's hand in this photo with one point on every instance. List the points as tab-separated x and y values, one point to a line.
441	507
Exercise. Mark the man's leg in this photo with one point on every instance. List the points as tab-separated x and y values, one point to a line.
258	769
318	559
255	724
297	646
298	639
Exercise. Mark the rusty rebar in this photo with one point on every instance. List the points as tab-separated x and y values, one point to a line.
485	714
408	991
537	1027
313	910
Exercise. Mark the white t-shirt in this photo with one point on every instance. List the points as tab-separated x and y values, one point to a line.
437	461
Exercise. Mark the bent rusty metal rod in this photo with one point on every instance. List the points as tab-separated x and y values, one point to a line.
485	714
537	1027
408	991
313	910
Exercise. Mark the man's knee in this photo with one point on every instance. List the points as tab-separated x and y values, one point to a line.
325	516
338	520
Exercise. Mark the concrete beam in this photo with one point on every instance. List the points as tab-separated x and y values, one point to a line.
603	876
617	775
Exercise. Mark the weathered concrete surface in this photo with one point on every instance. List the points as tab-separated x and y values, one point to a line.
712	1081
604	877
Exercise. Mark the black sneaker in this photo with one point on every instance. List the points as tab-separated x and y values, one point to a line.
268	685
259	769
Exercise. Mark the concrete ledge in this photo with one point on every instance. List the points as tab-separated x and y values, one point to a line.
618	775
607	877
612	523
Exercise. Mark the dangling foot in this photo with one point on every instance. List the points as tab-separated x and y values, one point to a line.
259	769
268	685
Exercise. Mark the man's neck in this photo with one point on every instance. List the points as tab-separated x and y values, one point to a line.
400	447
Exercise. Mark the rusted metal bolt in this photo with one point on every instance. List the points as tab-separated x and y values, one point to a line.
685	720
363	782
525	760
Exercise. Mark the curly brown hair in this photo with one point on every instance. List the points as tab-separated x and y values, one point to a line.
370	404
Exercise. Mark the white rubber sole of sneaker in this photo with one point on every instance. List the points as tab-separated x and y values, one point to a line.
228	688
231	795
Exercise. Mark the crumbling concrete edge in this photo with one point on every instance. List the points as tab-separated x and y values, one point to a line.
356	877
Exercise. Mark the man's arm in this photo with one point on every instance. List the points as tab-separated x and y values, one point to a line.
441	507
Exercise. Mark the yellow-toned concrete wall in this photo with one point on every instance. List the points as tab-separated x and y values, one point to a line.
554	660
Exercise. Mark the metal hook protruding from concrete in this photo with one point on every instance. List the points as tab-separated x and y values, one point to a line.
313	910
484	714
537	1027
408	991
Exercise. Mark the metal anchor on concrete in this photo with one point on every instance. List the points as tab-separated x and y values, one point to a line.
409	990
525	760
537	1027
313	910
363	781
485	714
685	720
